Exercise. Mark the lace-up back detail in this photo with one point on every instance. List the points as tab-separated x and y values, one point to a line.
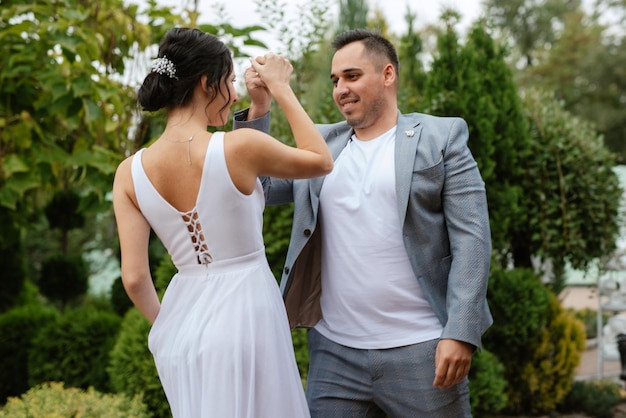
194	227
223	224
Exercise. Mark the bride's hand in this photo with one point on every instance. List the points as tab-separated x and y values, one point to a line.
274	70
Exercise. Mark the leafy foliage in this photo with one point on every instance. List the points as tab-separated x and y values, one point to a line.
54	400
572	195
63	113
530	23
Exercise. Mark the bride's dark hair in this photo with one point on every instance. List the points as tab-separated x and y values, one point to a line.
192	53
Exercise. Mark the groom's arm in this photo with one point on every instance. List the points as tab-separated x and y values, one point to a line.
260	124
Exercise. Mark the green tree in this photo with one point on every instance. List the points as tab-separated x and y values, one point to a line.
576	52
65	113
586	69
308	49
474	82
530	24
352	15
412	73
572	195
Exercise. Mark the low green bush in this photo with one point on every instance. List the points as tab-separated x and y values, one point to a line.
301	350
487	385
596	398
520	305
538	342
53	400
120	301
75	349
18	327
163	274
131	366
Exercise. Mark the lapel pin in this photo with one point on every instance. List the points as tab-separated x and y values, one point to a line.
409	133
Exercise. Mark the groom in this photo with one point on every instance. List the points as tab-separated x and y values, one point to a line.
389	254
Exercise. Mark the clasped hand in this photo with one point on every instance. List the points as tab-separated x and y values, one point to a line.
266	73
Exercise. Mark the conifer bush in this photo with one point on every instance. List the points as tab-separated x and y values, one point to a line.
539	343
75	349
18	328
64	278
487	384
131	366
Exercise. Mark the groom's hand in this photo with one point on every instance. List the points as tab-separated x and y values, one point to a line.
260	97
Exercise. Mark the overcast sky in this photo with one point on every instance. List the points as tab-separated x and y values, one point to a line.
243	12
427	10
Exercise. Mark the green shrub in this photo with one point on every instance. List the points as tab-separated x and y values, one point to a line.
52	400
163	274
18	327
131	368
538	342
544	377
520	305
119	299
29	295
11	260
595	398
487	384
75	349
301	350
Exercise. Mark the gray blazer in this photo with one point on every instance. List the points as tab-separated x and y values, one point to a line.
443	209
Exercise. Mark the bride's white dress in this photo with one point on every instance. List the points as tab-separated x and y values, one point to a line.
221	341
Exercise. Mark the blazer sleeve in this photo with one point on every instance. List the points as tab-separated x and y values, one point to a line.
467	221
240	120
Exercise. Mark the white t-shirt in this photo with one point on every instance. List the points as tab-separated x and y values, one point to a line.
370	296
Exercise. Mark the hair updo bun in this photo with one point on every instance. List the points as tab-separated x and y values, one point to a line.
185	55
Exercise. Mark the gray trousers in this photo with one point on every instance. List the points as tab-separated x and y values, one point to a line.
344	382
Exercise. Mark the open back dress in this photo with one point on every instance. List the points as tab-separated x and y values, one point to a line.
221	341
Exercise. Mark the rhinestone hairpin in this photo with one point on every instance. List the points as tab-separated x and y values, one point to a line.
164	66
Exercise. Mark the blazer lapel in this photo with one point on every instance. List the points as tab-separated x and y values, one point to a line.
407	137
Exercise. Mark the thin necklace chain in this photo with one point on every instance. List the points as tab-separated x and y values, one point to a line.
188	141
